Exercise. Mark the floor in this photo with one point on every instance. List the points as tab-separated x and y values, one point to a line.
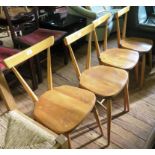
129	130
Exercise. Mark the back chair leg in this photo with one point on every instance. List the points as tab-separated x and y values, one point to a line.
33	75
143	70
69	140
39	70
136	69
150	60
96	115
126	99
109	108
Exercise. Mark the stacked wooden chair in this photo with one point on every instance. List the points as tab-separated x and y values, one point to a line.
18	131
141	45
116	57
104	81
62	108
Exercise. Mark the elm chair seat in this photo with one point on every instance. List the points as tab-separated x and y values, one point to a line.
18	131
100	82
62	105
137	44
4	53
120	58
41	34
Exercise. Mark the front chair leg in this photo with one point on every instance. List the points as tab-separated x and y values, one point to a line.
143	70
150	60
136	69
69	140
126	99
39	70
109	108
97	119
33	74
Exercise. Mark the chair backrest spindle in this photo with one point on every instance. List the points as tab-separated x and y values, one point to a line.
88	59
74	37
120	13
97	22
26	54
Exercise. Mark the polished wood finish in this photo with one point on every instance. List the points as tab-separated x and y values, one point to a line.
78	34
140	45
126	99
104	81
28	53
116	57
120	58
61	109
128	131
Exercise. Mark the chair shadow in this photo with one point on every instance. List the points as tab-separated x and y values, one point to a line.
92	125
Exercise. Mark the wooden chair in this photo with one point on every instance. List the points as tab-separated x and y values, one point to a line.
116	57
141	45
18	131
104	81
25	32
61	109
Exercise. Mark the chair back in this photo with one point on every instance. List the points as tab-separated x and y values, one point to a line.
102	20
21	21
120	13
13	61
86	31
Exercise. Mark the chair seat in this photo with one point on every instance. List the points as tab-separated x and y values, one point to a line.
64	107
18	132
41	34
4	53
103	80
137	44
120	58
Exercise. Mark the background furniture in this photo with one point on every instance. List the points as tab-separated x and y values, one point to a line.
141	45
62	108
58	18
93	12
143	23
28	34
104	81
6	52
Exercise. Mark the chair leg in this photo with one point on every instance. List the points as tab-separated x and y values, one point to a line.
33	74
143	70
150	60
97	119
66	56
126	99
136	69
69	141
109	108
39	70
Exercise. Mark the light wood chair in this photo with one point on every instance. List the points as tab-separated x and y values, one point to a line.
18	131
62	108
141	45
104	81
116	57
